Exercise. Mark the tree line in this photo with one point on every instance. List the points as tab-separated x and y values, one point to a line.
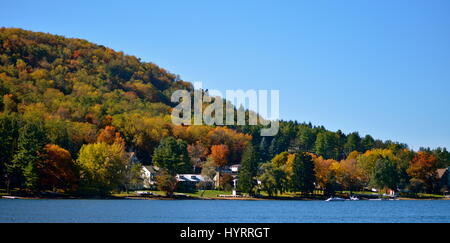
399	170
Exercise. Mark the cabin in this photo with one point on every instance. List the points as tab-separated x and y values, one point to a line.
443	176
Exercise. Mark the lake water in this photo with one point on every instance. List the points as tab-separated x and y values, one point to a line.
227	211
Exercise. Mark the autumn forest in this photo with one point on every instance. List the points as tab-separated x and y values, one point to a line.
73	113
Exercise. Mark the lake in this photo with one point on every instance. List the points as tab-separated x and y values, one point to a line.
223	211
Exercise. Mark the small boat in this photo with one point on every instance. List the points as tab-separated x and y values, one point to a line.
9	197
332	199
354	198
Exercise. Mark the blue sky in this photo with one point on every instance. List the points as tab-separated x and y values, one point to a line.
378	67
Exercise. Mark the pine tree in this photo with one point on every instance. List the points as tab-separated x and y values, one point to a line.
264	150
353	143
30	147
9	132
248	170
303	175
172	155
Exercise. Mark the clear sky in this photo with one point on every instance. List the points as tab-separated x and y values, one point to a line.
378	67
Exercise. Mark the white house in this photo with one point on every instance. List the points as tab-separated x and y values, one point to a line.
148	176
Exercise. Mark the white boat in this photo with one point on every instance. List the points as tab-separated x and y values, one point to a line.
354	198
332	199
9	197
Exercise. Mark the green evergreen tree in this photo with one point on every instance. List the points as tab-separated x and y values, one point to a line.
247	173
368	143
306	139
303	175
30	147
353	143
9	133
172	155
327	145
264	150
442	156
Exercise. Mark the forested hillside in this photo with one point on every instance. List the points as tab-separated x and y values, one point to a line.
72	111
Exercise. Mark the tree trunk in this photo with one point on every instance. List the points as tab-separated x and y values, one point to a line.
8	183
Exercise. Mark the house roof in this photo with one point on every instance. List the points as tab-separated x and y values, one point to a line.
224	170
150	168
190	178
441	172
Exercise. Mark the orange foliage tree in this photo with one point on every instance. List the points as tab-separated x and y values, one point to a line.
57	170
220	155
423	167
236	142
322	167
110	136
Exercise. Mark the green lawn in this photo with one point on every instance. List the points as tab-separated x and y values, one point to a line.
208	193
3	191
198	194
124	194
425	195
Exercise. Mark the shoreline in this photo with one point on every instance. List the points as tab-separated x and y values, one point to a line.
180	198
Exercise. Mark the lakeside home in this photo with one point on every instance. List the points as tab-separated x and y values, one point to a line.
443	176
188	182
148	176
149	172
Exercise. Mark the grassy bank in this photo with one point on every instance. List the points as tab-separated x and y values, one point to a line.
207	194
216	194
